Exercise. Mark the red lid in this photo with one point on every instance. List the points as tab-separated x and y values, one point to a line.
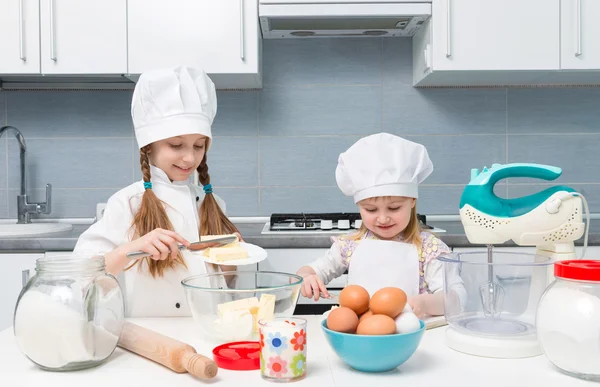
578	269
239	355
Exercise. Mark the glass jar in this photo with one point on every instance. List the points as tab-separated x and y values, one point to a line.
70	314
568	319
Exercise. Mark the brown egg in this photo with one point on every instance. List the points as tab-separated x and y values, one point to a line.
342	319
389	301
377	324
356	298
363	316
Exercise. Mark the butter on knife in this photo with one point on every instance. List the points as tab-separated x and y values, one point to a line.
212	241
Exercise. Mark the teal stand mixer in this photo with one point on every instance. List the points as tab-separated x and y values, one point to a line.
500	290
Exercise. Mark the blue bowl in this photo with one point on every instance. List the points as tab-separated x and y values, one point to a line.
368	353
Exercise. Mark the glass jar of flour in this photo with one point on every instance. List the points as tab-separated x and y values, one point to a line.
69	316
568	318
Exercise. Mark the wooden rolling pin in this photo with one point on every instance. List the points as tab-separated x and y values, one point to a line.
171	353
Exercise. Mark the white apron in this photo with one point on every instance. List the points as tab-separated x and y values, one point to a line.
376	264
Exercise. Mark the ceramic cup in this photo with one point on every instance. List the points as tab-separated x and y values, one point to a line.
283	349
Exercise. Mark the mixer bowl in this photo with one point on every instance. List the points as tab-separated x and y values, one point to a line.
208	293
494	296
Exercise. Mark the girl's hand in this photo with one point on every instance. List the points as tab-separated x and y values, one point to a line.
419	305
313	286
160	243
239	236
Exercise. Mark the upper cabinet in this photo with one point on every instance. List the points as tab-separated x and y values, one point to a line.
496	35
222	37
19	36
63	37
508	42
580	34
83	36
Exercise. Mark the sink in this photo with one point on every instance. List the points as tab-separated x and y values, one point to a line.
32	229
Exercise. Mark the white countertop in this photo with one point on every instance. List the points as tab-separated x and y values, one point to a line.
434	364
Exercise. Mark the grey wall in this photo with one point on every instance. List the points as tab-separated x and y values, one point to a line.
276	150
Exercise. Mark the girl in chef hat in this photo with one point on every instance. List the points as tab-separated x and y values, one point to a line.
382	173
172	110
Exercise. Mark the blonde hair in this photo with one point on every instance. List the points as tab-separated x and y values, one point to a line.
152	215
411	234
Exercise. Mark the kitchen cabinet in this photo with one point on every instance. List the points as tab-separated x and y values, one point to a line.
474	42
63	37
496	35
83	37
16	269
221	37
580	46
20	32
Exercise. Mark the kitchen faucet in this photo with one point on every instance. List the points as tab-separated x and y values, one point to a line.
24	208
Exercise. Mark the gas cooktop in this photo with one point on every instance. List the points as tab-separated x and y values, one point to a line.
335	223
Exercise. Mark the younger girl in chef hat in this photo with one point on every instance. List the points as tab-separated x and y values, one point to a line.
382	173
172	111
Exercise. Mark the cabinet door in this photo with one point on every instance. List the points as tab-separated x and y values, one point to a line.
579	36
214	35
496	34
83	36
19	37
16	269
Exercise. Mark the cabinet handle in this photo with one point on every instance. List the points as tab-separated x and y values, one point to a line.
52	37
21	34
24	277
242	44
448	53
578	52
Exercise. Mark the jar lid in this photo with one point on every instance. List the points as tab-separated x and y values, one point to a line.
578	269
239	355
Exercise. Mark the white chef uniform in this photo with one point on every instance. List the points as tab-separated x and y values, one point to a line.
166	103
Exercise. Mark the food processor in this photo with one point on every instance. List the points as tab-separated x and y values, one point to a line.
491	296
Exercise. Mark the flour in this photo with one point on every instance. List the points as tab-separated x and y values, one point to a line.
568	325
53	335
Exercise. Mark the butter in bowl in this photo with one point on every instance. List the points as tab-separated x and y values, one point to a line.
226	306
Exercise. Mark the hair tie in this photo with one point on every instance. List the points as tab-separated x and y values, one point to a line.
208	189
147	185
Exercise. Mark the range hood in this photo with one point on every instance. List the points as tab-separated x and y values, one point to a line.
341	18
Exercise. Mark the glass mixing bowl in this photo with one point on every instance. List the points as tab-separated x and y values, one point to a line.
494	294
227	306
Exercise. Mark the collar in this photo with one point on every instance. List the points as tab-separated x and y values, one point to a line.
371	235
159	176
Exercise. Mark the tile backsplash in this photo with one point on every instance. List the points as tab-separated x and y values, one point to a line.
275	150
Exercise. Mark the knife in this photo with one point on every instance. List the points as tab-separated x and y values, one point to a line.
222	241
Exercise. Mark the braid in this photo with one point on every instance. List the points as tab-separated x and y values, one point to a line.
212	219
203	175
145	164
150	216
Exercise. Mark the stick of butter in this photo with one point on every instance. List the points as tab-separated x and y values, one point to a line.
243	304
231	252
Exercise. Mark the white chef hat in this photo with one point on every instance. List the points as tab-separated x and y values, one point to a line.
173	102
382	165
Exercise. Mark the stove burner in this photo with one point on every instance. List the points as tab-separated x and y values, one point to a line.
312	221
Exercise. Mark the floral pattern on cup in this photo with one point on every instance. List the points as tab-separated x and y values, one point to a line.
283	348
299	340
298	364
277	343
277	366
